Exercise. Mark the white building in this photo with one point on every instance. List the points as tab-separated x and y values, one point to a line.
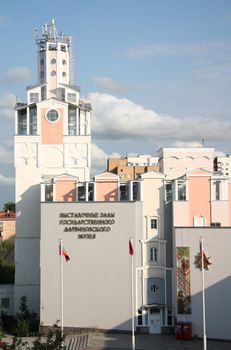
175	162
52	136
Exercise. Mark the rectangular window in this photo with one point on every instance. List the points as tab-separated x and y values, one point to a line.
90	191
217	190
22	122
81	193
181	190
136	191
43	92
5	303
123	192
72	123
33	120
71	97
34	97
49	193
153	223
153	254
168	191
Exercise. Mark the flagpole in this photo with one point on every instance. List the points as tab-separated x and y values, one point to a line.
203	295
132	298
61	284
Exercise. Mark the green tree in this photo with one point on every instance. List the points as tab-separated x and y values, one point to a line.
26	320
9	206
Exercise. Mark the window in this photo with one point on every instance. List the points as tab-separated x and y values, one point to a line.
5	303
63	47
49	193
72	122
136	191
181	190
33	120
52	115
215	224
41	74
153	254
22	122
34	97
71	97
43	92
217	190
42	62
53	61
139	318
153	223
64	62
90	191
123	192
52	47
154	289
168	191
53	73
64	74
60	94
81	193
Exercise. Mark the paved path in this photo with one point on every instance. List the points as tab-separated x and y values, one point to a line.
99	341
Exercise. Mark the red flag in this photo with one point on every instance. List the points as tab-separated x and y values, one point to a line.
63	252
205	259
131	249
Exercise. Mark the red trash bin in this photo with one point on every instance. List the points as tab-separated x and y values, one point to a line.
179	330
187	331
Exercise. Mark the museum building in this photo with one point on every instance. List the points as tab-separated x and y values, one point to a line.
160	211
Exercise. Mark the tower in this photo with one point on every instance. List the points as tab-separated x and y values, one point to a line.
52	137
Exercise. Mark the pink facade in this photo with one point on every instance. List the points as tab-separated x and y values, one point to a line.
51	133
65	189
199	194
107	191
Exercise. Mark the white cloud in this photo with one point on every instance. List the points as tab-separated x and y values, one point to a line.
189	49
16	75
99	158
109	85
6	181
119	118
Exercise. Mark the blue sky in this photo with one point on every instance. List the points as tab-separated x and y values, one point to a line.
158	72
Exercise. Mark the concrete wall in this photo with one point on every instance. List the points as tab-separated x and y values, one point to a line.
217	242
97	277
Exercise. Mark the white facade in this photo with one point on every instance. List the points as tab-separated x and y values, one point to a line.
52	137
142	160
175	162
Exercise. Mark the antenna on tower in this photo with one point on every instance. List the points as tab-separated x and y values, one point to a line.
36	33
53	31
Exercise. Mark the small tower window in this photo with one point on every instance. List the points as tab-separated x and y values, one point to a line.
53	61
53	73
64	74
64	62
42	74
42	62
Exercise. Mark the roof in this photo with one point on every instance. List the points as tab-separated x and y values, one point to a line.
7	215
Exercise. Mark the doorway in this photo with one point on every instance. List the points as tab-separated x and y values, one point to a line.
154	321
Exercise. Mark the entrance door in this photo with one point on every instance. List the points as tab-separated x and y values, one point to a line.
154	321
